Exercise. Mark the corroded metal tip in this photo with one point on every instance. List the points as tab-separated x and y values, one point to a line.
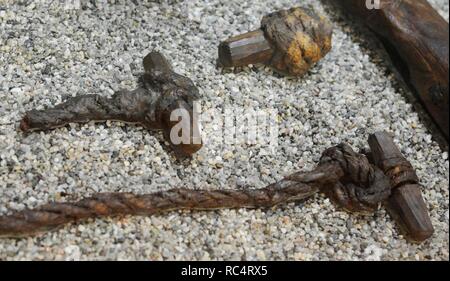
245	49
406	203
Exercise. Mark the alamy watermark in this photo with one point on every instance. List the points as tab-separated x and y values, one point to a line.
231	125
373	4
72	4
376	4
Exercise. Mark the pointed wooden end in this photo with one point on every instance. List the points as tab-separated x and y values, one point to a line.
407	207
156	61
406	204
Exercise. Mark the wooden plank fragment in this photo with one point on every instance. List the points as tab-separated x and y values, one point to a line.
417	39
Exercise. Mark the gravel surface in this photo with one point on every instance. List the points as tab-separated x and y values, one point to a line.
50	51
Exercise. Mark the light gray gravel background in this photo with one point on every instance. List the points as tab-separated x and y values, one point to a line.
49	53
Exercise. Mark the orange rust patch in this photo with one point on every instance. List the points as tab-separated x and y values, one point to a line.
302	53
326	46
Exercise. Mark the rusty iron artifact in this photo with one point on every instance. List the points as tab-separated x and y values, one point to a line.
291	41
417	40
151	106
346	177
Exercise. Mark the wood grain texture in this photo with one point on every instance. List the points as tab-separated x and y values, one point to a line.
406	204
417	40
249	48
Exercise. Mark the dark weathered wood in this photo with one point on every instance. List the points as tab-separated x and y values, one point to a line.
151	106
291	41
417	40
245	49
406	204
